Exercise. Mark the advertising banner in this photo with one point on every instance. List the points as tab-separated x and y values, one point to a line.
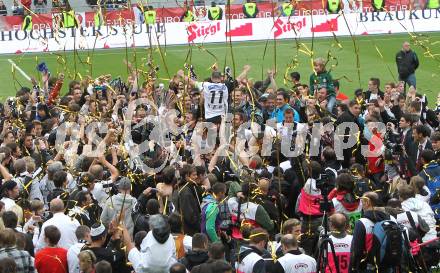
365	23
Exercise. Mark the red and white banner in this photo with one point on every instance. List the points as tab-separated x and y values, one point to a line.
170	15
47	39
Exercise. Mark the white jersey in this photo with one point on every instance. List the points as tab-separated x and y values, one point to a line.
247	264
297	263
215	97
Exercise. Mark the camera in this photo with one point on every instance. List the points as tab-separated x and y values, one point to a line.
392	142
325	185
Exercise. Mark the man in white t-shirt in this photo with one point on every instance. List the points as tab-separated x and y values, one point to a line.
215	95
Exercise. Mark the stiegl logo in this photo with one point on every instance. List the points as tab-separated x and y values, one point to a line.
200	30
281	27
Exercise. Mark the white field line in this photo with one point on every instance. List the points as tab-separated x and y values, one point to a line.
16	67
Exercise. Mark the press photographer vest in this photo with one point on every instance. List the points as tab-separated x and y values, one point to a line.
29	26
246	265
433	4
333	6
248	212
251	9
292	263
215	12
287	9
342	251
97	19
189	17
378	4
69	19
150	17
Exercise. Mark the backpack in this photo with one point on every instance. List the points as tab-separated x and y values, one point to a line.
388	235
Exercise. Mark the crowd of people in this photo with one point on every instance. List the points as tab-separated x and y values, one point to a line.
219	175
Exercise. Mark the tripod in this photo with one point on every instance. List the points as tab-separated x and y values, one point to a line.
325	241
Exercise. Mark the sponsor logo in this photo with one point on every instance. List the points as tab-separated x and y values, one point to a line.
200	12
196	30
399	15
341	245
48	33
281	27
243	30
327	26
301	265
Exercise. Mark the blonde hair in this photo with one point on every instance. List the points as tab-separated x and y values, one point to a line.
87	256
30	164
36	205
417	183
289	225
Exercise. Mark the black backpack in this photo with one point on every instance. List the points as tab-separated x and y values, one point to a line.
389	239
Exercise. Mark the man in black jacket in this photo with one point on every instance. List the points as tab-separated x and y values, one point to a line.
373	92
349	116
189	197
407	63
199	252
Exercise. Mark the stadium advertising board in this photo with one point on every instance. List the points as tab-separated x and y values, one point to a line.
48	39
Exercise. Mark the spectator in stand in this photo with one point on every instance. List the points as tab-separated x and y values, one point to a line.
3	10
40	6
26	4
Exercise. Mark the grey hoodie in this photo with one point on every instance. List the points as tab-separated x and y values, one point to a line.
113	207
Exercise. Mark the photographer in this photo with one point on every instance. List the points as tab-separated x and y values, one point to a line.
344	200
309	208
244	209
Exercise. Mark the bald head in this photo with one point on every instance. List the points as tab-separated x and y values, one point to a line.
338	222
289	242
370	200
56	205
406	46
264	185
96	170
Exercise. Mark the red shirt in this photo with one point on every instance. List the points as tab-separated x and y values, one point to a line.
51	260
341	96
375	145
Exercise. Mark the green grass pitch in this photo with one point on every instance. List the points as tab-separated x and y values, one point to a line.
343	61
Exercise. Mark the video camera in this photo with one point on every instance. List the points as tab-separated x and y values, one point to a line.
392	142
324	184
